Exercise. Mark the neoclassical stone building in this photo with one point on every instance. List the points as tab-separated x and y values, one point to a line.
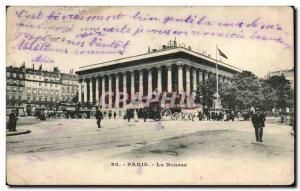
170	69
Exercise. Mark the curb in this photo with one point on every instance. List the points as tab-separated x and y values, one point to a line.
18	133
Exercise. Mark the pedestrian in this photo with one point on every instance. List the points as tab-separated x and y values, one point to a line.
115	115
42	116
145	114
12	121
128	115
232	115
135	116
208	116
258	121
99	117
225	117
213	116
200	116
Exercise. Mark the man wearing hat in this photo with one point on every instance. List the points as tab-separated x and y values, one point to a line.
99	117
258	121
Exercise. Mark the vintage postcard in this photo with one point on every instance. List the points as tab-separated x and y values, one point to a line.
161	95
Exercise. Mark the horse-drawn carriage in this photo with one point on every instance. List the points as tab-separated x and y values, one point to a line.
73	110
172	111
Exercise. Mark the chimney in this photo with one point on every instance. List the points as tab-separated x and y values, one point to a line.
175	43
33	66
149	49
40	68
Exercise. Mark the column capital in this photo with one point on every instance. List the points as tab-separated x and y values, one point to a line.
159	68
179	63
168	66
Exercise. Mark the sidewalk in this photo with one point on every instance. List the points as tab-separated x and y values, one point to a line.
18	132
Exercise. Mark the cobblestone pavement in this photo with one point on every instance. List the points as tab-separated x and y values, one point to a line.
74	151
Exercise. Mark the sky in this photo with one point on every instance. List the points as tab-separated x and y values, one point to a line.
258	39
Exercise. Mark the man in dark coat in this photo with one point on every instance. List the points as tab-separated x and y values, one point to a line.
115	115
128	113
145	114
12	121
258	121
99	117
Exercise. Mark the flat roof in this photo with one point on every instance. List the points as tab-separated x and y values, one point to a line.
152	54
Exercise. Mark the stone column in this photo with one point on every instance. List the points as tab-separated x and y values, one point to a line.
220	78
124	85
79	92
159	80
194	80
110	91
85	90
117	91
97	90
149	82
169	79
91	90
103	90
141	86
209	75
180	79
200	77
188	87
132	92
206	76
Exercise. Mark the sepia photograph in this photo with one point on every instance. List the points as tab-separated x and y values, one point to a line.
150	95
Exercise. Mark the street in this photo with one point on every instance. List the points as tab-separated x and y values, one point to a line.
74	151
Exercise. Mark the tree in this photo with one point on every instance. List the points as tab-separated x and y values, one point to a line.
247	90
206	90
282	91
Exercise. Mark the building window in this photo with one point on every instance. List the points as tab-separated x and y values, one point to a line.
46	92
46	84
50	85
40	84
14	75
8	74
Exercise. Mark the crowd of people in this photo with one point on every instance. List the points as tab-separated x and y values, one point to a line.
217	116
